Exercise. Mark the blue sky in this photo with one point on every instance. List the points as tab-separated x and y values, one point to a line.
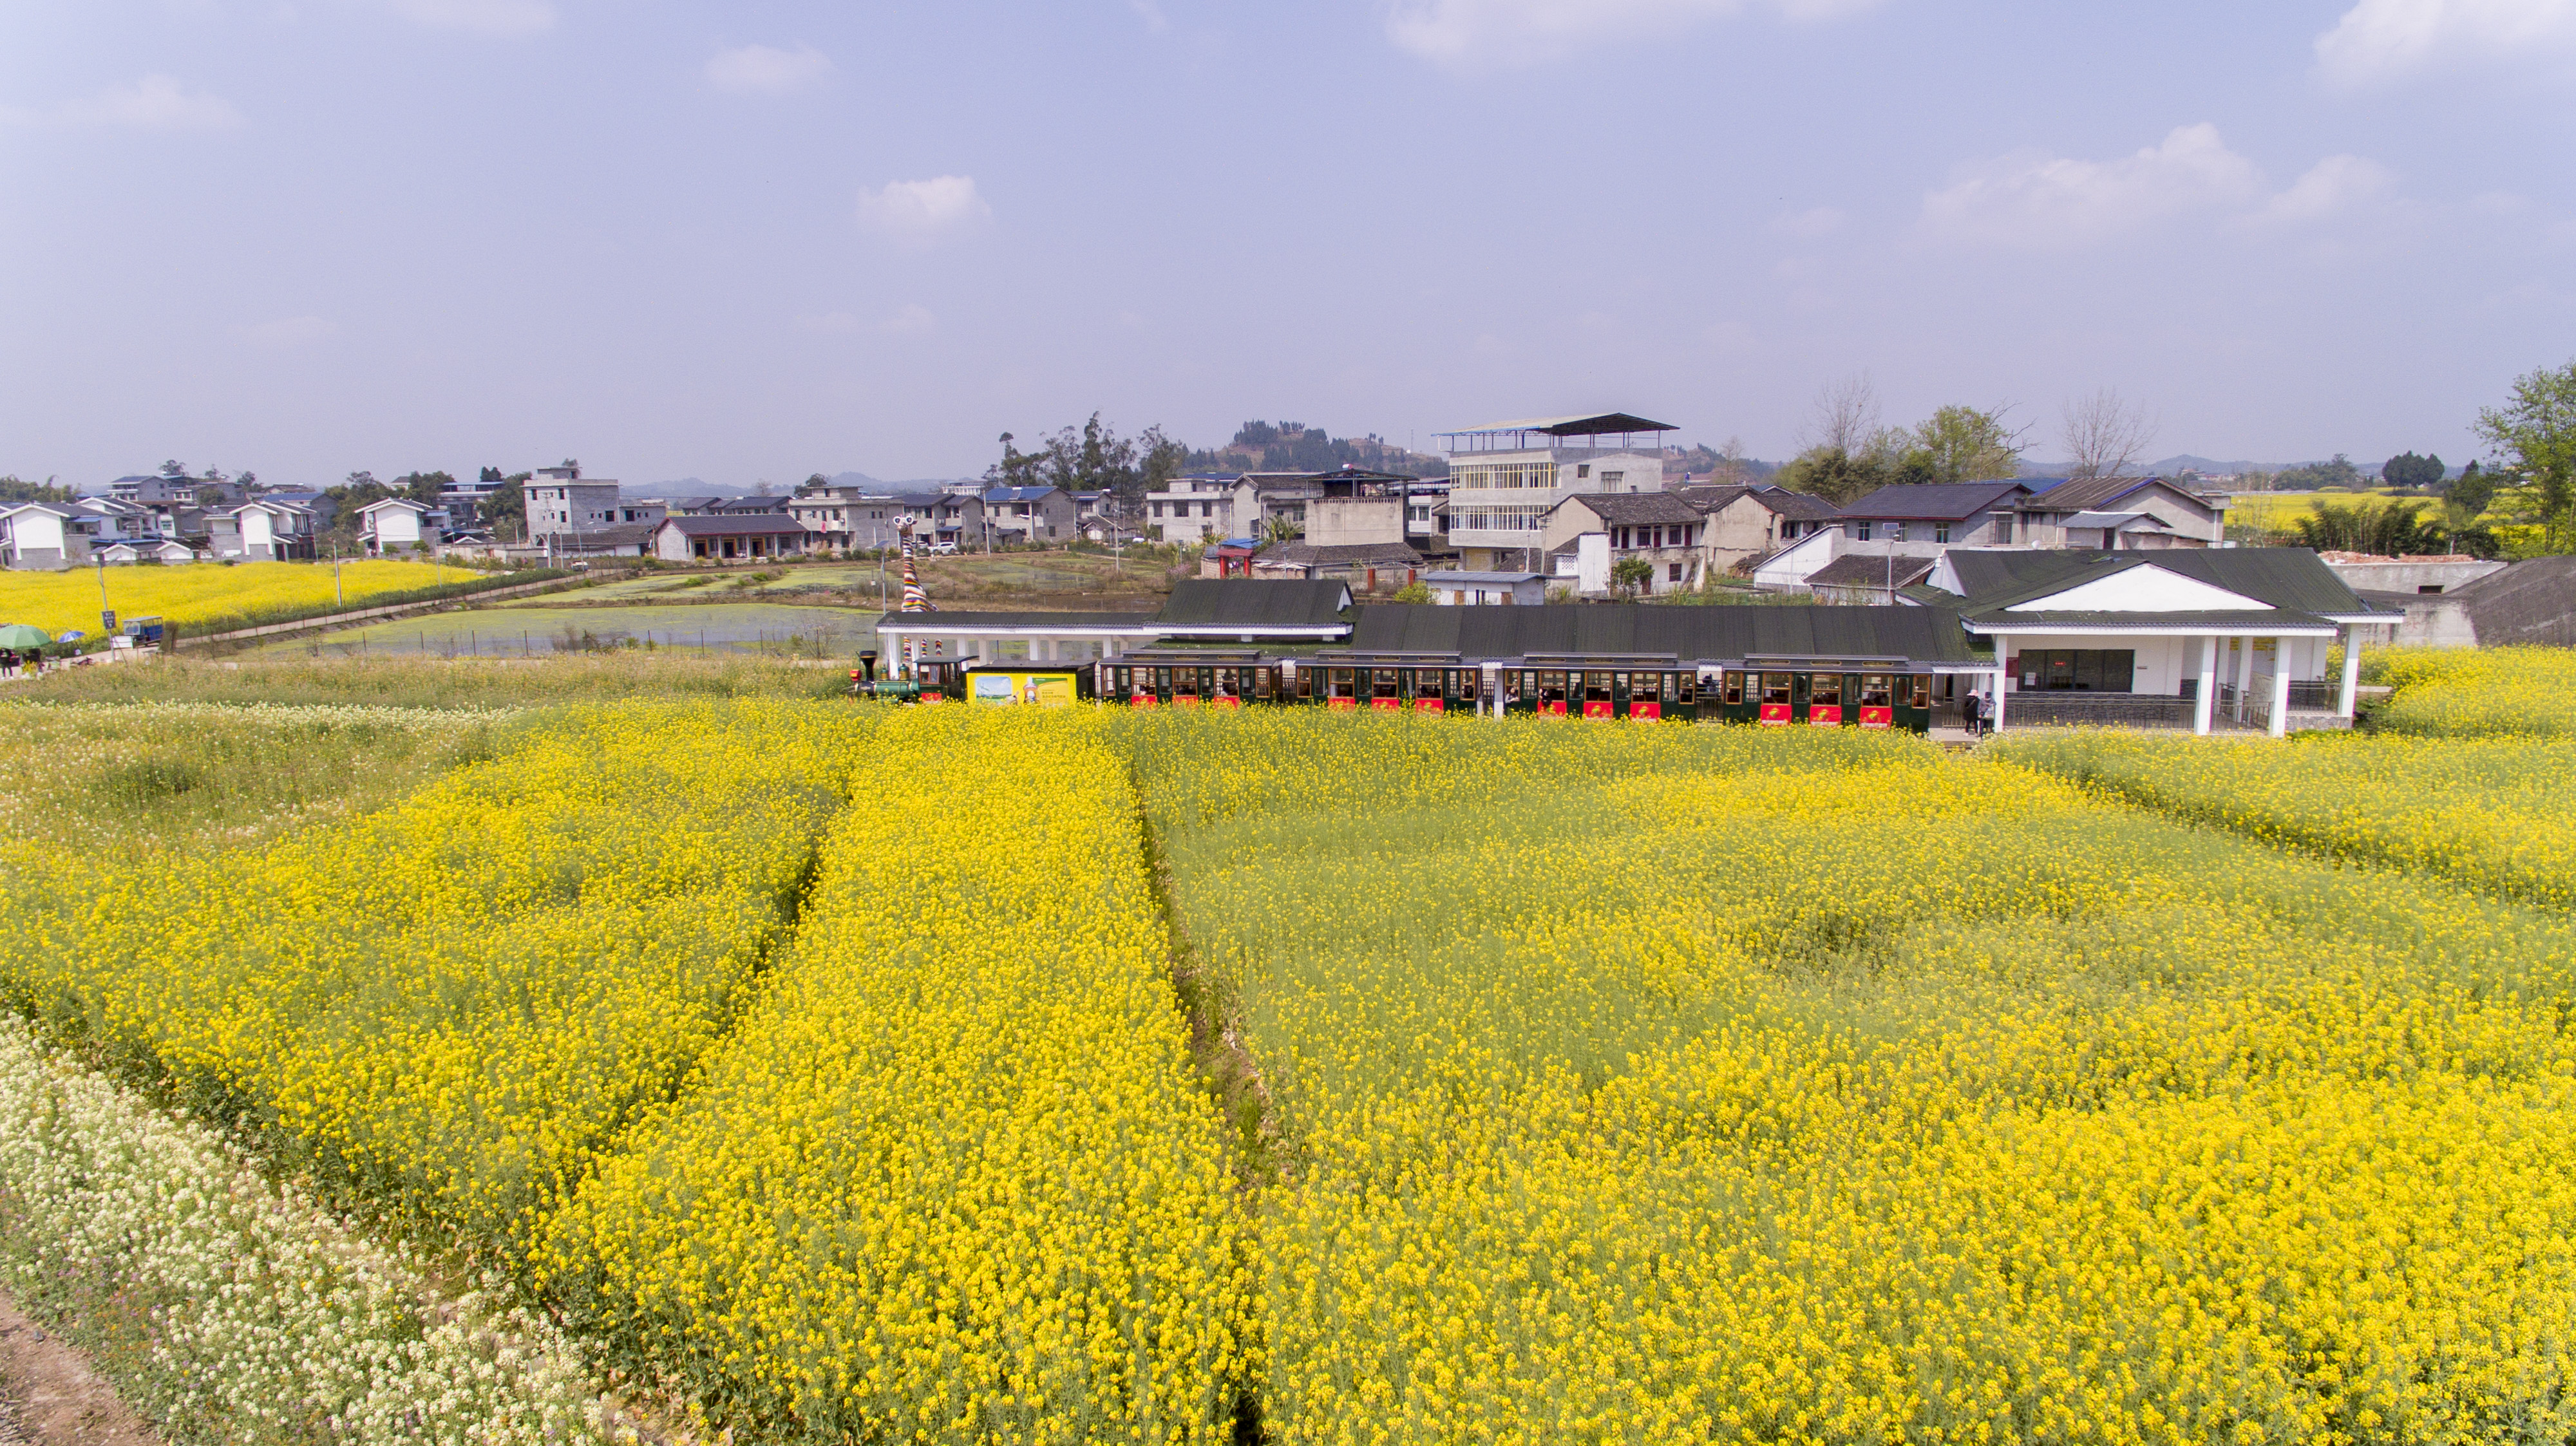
757	240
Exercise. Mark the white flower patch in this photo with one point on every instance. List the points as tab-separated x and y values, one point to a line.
267	1319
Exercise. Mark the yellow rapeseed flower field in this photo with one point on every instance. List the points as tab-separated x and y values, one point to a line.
2471	692
208	593
951	1179
1606	1082
2493	813
447	1006
1647	1084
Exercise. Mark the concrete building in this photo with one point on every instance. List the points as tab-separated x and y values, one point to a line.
1505	477
1366	566
1749	522
2532	601
1923	519
44	535
395	525
1663	530
759	536
1034	516
2209	637
1454	588
560	499
2423	575
262	530
2121	513
843	518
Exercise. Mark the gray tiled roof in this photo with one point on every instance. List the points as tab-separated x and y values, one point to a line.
1638	509
1934	501
2290	578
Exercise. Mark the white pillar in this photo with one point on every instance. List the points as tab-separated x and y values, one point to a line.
2280	687
2206	697
2244	673
2351	672
1995	724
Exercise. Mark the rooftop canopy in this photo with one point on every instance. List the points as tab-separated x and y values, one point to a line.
1520	432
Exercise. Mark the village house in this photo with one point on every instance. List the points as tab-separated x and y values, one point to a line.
1664	530
395	525
1506	477
1039	516
2121	513
753	536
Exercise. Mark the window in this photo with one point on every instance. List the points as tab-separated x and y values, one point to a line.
1862	532
2003	527
1673	573
2083	670
1609	477
1826	688
1941	532
1775	687
1582	470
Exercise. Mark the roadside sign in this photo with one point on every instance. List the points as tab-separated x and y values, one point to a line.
106	622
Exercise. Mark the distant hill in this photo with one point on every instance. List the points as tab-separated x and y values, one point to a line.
1296	447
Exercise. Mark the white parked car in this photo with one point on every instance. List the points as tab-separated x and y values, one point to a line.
943	549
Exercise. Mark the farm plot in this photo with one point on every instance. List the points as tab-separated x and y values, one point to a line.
200	595
443	1009
2475	692
1628	1084
951	1179
2496	814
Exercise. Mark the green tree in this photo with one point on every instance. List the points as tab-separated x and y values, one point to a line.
2535	430
2338	475
2408	470
423	487
13	490
2466	499
1416	591
1966	444
1837	476
1629	574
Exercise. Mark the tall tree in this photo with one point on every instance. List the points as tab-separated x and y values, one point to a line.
2536	431
1845	418
2408	470
1967	444
2384	529
2104	435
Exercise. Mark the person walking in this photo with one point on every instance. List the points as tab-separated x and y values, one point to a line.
1973	709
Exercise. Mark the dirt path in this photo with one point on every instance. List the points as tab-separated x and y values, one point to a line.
50	1397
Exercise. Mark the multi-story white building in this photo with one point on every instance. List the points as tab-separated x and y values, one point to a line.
1504	478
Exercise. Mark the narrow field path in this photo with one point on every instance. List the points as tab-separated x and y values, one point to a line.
49	1396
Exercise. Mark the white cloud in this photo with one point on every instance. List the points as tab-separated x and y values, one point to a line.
154	103
483	17
1821	221
2335	186
1523	32
2037	200
912	320
290	332
922	213
2380	40
765	70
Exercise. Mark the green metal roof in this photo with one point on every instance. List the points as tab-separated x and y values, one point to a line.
1252	604
1686	634
2290	578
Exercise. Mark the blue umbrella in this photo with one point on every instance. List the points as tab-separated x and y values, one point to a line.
74	636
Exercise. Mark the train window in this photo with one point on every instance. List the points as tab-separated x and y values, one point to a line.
1596	687
1185	682
1775	687
1342	686
1827	688
1383	682
1645	687
1261	685
1162	680
1225	683
1734	688
1876	690
1685	688
1922	690
1551	687
1512	686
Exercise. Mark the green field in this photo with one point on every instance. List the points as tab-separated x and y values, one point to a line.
804	631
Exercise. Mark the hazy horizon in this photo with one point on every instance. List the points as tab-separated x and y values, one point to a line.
753	242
